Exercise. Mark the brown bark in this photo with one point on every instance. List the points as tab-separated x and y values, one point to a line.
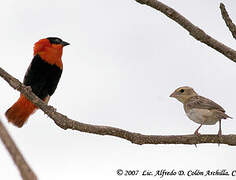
65	123
136	138
228	20
25	170
193	30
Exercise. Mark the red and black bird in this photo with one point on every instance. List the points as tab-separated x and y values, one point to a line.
42	76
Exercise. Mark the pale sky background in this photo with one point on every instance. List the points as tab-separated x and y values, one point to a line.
123	62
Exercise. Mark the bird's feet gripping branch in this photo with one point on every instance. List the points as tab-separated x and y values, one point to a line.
42	76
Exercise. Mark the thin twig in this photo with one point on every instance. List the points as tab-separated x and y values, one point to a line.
65	123
25	170
228	20
194	31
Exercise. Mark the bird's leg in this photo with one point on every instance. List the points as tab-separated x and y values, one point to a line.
196	132
220	131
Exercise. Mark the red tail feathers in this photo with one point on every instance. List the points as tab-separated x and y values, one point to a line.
20	111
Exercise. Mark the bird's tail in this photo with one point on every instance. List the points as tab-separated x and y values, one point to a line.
229	117
19	112
222	115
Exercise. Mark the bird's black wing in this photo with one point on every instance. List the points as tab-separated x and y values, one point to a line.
42	77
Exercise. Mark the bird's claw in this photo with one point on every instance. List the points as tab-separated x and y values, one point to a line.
196	133
28	88
52	108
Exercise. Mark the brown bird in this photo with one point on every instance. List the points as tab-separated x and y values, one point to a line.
200	109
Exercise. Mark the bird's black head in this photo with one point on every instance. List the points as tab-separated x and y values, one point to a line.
55	40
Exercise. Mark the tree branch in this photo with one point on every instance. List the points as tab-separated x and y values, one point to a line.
65	123
228	20
25	170
194	31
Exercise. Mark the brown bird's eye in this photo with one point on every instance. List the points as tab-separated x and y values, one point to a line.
181	90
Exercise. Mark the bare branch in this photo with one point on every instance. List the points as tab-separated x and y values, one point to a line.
228	20
194	31
25	170
136	138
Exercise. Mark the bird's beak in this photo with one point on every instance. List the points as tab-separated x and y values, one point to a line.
172	95
63	43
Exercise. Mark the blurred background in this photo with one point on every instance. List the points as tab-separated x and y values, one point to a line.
124	61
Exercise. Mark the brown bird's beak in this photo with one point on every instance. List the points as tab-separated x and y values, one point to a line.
172	95
63	43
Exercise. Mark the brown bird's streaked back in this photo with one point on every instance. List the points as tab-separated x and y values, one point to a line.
200	102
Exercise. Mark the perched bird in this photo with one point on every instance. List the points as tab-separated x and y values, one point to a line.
200	109
42	76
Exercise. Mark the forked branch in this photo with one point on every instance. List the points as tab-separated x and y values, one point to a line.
65	123
193	30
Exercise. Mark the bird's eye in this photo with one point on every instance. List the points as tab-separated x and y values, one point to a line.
181	90
57	40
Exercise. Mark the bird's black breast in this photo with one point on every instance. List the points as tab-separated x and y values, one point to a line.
42	77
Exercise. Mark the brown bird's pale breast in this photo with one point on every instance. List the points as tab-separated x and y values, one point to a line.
203	116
